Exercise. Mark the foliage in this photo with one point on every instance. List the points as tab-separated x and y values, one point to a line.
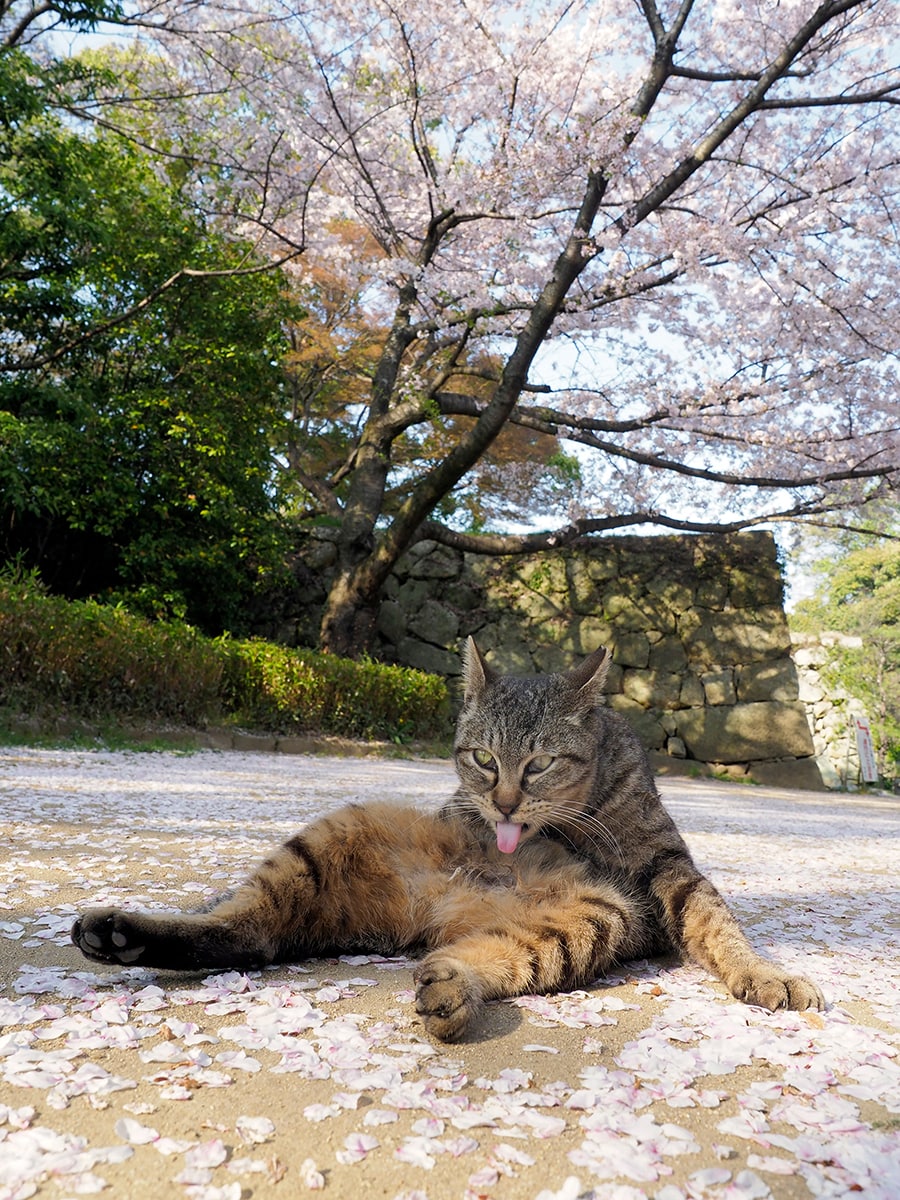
273	687
102	663
140	386
92	660
860	597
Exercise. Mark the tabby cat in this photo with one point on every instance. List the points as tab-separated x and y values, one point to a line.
554	860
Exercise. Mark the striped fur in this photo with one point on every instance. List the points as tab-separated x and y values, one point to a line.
598	874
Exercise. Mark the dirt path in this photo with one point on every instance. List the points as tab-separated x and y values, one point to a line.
137	1083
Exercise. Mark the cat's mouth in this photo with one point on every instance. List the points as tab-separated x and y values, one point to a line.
508	835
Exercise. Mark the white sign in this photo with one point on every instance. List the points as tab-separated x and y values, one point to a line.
867	765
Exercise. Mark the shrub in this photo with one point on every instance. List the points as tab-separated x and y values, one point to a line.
96	662
286	690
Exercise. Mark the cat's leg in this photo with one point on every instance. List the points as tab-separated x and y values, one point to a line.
525	945
701	923
329	887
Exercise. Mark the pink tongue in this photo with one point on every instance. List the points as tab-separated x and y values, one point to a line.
508	834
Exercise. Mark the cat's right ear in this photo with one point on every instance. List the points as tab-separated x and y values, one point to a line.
589	677
476	673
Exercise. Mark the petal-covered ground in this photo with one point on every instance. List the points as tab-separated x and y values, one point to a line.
147	1084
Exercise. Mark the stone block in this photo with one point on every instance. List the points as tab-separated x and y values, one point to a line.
692	694
728	638
746	732
219	739
391	621
652	689
513	657
644	722
789	773
320	556
424	657
718	686
602	563
583	594
552	657
428	560
711	592
254	741
412	594
544	574
584	635
614	677
751	588
621	610
435	624
668	655
534	608
674	593
686	768
299	745
631	649
775	680
463	596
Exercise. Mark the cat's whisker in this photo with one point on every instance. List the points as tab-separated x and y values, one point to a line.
597	833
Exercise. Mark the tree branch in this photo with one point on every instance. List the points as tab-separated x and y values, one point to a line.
657	195
583	430
534	543
886	95
18	31
128	314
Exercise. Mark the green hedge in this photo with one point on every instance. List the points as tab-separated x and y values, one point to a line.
93	661
100	663
271	687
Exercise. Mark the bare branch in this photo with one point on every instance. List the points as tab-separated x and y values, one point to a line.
19	30
890	94
534	543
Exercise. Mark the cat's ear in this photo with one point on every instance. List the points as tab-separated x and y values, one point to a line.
589	677
476	673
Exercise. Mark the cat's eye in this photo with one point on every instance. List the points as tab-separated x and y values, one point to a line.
484	758
539	763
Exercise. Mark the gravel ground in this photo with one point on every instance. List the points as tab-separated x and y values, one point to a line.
654	1084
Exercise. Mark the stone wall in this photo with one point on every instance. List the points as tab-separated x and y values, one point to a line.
829	711
702	663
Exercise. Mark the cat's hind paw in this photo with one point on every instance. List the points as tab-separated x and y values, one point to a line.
108	935
448	997
774	989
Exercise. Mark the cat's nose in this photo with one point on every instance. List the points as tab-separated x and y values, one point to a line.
507	807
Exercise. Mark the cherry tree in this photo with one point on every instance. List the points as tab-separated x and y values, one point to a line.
662	230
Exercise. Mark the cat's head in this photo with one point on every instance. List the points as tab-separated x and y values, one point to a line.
525	747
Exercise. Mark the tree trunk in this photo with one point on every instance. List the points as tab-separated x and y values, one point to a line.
351	611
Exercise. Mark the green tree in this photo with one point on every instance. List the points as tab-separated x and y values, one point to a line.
141	391
860	597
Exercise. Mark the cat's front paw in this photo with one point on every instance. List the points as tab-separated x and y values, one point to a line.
108	935
448	997
772	988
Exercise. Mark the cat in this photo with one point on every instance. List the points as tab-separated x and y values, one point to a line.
554	860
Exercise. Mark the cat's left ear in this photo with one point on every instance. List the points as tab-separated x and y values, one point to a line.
589	678
476	673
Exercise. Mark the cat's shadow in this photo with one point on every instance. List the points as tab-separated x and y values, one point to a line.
497	1019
